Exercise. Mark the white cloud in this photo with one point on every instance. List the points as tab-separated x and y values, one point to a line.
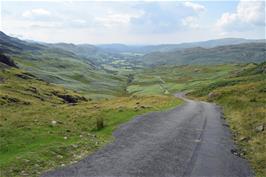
167	17
196	7
36	12
252	12
112	19
139	17
248	14
191	22
130	22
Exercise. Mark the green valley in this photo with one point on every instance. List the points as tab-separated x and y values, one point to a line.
44	125
61	102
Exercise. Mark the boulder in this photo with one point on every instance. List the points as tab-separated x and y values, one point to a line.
243	138
259	128
53	122
213	95
235	152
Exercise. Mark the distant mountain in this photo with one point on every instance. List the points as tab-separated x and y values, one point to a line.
121	48
218	42
229	50
240	53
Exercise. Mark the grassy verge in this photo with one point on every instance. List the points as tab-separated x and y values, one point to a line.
242	96
239	89
39	130
31	142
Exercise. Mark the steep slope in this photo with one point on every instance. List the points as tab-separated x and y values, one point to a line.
7	61
63	67
86	51
101	58
43	126
13	45
83	50
241	53
19	87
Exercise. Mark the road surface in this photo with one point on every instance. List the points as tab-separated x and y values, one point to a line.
190	140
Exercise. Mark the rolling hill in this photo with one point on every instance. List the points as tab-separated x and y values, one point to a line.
239	53
103	71
57	65
144	49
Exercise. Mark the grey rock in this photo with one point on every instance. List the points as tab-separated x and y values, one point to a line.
259	128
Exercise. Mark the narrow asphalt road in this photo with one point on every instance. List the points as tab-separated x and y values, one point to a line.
190	140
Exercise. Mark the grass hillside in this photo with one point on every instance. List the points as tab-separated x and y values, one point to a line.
242	95
53	64
240	89
43	125
73	74
86	51
169	80
97	74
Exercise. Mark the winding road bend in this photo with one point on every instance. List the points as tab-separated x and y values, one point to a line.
189	140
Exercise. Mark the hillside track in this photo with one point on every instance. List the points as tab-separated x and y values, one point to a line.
189	140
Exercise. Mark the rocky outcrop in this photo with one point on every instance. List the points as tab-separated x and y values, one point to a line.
5	99
8	61
69	98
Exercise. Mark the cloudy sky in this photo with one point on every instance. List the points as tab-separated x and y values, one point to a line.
132	22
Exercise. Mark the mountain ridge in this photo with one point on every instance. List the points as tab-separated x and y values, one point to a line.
144	48
238	53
